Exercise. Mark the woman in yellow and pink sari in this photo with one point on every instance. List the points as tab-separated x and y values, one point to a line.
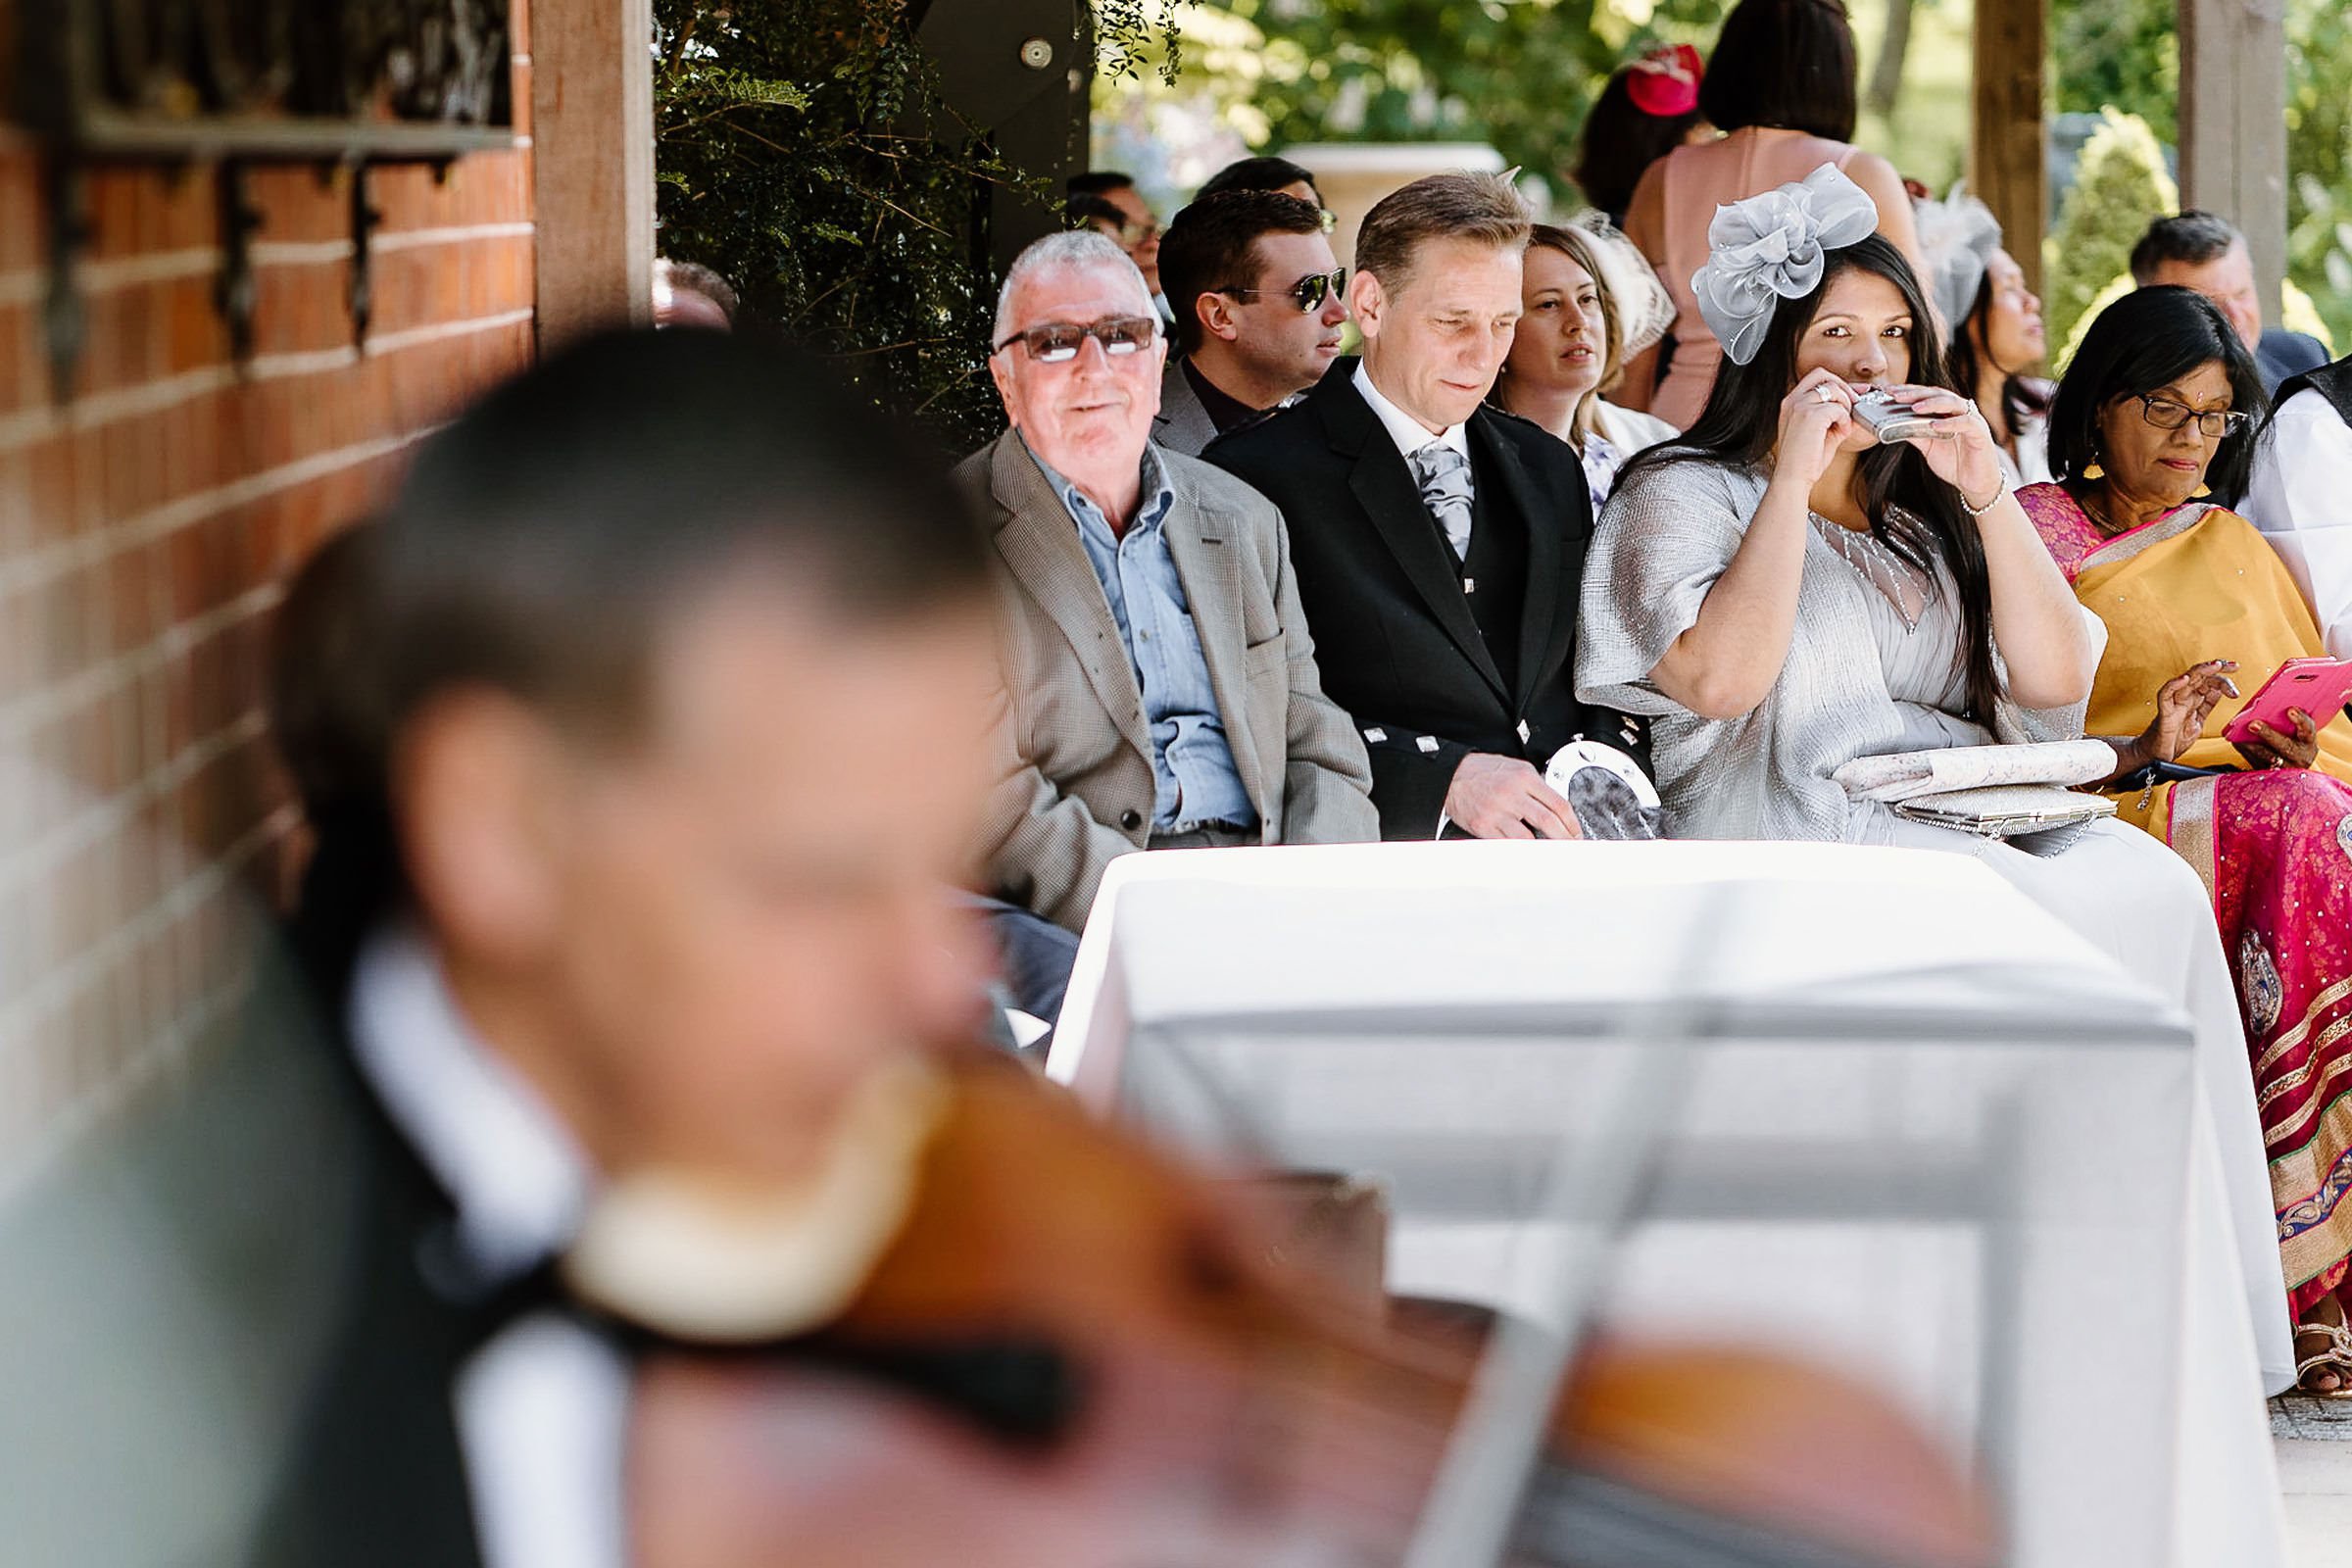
2157	411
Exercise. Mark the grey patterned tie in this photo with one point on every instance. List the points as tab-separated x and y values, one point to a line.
1444	476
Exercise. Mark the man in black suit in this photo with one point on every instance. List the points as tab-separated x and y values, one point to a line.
1438	541
644	739
2204	250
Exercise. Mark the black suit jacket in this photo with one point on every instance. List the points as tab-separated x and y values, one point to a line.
1394	633
222	1345
2282	354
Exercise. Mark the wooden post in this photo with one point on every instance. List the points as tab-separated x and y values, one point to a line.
592	160
2008	165
2234	127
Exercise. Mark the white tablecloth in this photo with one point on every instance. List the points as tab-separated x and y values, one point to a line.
1928	1132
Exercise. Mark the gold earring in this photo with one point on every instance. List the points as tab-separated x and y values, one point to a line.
2201	491
2094	471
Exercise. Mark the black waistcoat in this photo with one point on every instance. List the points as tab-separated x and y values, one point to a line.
2330	382
1496	574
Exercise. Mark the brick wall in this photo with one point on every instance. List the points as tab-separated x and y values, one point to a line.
147	522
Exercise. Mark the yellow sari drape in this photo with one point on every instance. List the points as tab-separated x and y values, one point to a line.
2199	584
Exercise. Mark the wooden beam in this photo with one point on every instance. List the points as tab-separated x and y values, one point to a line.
592	163
2008	164
2233	130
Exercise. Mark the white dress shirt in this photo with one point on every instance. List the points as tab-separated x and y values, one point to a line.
2301	499
542	1409
1409	433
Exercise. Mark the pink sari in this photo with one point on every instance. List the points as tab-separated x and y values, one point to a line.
2275	848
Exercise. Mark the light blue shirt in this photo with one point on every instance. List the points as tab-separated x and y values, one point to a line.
1192	774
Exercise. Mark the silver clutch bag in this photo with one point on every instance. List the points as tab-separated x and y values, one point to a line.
2012	811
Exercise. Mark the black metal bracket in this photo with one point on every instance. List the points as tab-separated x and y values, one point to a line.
64	319
236	292
332	84
366	219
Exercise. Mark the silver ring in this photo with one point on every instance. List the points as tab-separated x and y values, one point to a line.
1823	394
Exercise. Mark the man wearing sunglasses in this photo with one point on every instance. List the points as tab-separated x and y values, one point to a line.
1138	231
1439	543
1260	307
1160	688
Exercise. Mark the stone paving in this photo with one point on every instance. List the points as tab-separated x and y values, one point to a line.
2314	1472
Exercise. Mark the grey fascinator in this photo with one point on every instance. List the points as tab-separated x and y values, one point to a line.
1769	248
1958	236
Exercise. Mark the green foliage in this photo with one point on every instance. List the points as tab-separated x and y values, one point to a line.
805	153
1517	74
2127	54
2120	183
2319	160
2119	54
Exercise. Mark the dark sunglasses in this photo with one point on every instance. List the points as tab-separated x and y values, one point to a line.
1310	292
1058	342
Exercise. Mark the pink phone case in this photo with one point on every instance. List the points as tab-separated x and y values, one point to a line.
2320	687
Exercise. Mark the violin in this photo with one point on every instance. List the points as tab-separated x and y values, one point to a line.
1068	1352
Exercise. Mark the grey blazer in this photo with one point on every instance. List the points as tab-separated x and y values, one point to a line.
1182	424
1073	759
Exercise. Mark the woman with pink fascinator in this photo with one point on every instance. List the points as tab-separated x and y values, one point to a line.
1649	108
1782	87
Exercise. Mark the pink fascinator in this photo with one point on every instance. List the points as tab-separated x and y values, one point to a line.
1664	81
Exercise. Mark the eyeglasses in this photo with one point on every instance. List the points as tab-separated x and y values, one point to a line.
1058	342
1310	292
2166	415
1136	230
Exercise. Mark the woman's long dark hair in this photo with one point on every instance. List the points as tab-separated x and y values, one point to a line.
2021	399
1742	421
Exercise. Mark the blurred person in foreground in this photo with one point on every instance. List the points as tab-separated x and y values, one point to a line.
1993	330
2204	250
1160	682
690	294
1591	304
2160	405
643	738
1439	541
1261	308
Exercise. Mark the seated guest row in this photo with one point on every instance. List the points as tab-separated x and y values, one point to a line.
1777	592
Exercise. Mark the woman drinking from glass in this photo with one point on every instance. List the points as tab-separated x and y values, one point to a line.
1786	594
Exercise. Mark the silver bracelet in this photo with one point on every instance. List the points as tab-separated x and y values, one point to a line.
1999	491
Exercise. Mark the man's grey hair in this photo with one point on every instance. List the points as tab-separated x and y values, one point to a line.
1080	250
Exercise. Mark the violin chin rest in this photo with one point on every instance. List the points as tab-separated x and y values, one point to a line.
717	1263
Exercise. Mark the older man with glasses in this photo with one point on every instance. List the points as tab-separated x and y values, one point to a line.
1160	688
1261	310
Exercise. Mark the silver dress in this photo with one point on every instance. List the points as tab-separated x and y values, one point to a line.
1858	681
1874	666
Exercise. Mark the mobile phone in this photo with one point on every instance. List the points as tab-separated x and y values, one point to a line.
1891	419
2320	687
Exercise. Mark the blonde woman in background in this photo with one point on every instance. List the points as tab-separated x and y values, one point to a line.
1592	303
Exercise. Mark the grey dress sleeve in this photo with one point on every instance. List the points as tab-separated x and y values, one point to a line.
1666	536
